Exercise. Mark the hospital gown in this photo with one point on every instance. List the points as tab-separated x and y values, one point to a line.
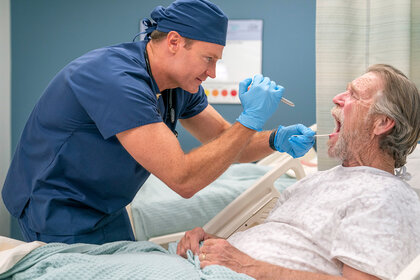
361	216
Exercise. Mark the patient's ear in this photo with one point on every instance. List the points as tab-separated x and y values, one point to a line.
383	125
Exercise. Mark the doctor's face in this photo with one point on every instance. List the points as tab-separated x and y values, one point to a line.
354	124
196	63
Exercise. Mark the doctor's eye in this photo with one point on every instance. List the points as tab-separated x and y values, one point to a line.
209	58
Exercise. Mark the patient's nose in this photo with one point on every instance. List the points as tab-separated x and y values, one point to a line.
339	99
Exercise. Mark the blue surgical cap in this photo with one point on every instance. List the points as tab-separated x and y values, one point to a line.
195	19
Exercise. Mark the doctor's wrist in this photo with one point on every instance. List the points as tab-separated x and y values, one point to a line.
271	139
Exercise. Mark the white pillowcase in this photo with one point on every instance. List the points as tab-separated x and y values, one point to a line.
413	167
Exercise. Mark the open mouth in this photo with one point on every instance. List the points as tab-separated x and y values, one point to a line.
337	126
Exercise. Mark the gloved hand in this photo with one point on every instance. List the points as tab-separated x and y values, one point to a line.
259	102
296	146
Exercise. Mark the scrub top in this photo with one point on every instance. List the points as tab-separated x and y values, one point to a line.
70	174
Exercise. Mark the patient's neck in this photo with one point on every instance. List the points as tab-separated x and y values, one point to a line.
373	157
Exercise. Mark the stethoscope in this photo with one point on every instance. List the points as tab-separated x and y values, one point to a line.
170	97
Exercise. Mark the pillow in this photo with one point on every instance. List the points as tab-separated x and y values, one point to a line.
413	167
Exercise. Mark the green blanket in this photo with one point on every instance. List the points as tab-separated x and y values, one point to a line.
117	260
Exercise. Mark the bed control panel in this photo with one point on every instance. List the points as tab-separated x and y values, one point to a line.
259	216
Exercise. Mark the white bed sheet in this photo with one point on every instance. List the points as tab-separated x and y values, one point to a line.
12	251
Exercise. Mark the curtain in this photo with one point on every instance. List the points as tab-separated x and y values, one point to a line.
350	36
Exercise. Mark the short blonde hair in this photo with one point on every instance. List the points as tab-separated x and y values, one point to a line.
158	36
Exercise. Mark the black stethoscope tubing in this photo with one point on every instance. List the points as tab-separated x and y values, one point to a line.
170	96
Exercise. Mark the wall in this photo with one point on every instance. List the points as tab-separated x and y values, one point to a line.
4	106
48	34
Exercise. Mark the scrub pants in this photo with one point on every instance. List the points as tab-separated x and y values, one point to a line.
119	228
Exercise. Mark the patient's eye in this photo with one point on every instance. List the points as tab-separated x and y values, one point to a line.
353	95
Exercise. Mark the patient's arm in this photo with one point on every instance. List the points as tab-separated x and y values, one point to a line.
221	252
191	241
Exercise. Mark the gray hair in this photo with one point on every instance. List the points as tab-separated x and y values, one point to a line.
400	101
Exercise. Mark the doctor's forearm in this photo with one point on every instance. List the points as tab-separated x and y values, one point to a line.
156	148
257	148
206	163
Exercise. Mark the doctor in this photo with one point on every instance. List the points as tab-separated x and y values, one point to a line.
107	120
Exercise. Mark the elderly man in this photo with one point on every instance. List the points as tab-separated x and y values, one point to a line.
355	221
108	119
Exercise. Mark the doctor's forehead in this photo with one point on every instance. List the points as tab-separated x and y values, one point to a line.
210	49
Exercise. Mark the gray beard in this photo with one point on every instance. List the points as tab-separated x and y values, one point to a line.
340	149
350	144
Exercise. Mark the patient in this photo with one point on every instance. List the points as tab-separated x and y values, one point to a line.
354	221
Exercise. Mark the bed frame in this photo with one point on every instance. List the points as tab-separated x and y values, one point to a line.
252	206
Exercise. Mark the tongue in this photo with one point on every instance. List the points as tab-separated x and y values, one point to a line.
333	134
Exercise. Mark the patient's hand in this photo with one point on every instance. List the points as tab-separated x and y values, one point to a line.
221	252
191	240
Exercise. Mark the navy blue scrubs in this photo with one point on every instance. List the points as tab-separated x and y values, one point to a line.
70	178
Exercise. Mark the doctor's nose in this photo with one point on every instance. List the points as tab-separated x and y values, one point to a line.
211	71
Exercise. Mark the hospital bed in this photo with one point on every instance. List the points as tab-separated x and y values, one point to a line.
120	260
129	259
253	205
247	209
254	199
161	216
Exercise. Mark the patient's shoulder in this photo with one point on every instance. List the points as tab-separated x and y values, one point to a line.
345	183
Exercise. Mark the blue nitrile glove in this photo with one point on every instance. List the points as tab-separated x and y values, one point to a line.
296	146
259	102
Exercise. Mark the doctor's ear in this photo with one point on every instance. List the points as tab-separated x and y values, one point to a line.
383	125
174	41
